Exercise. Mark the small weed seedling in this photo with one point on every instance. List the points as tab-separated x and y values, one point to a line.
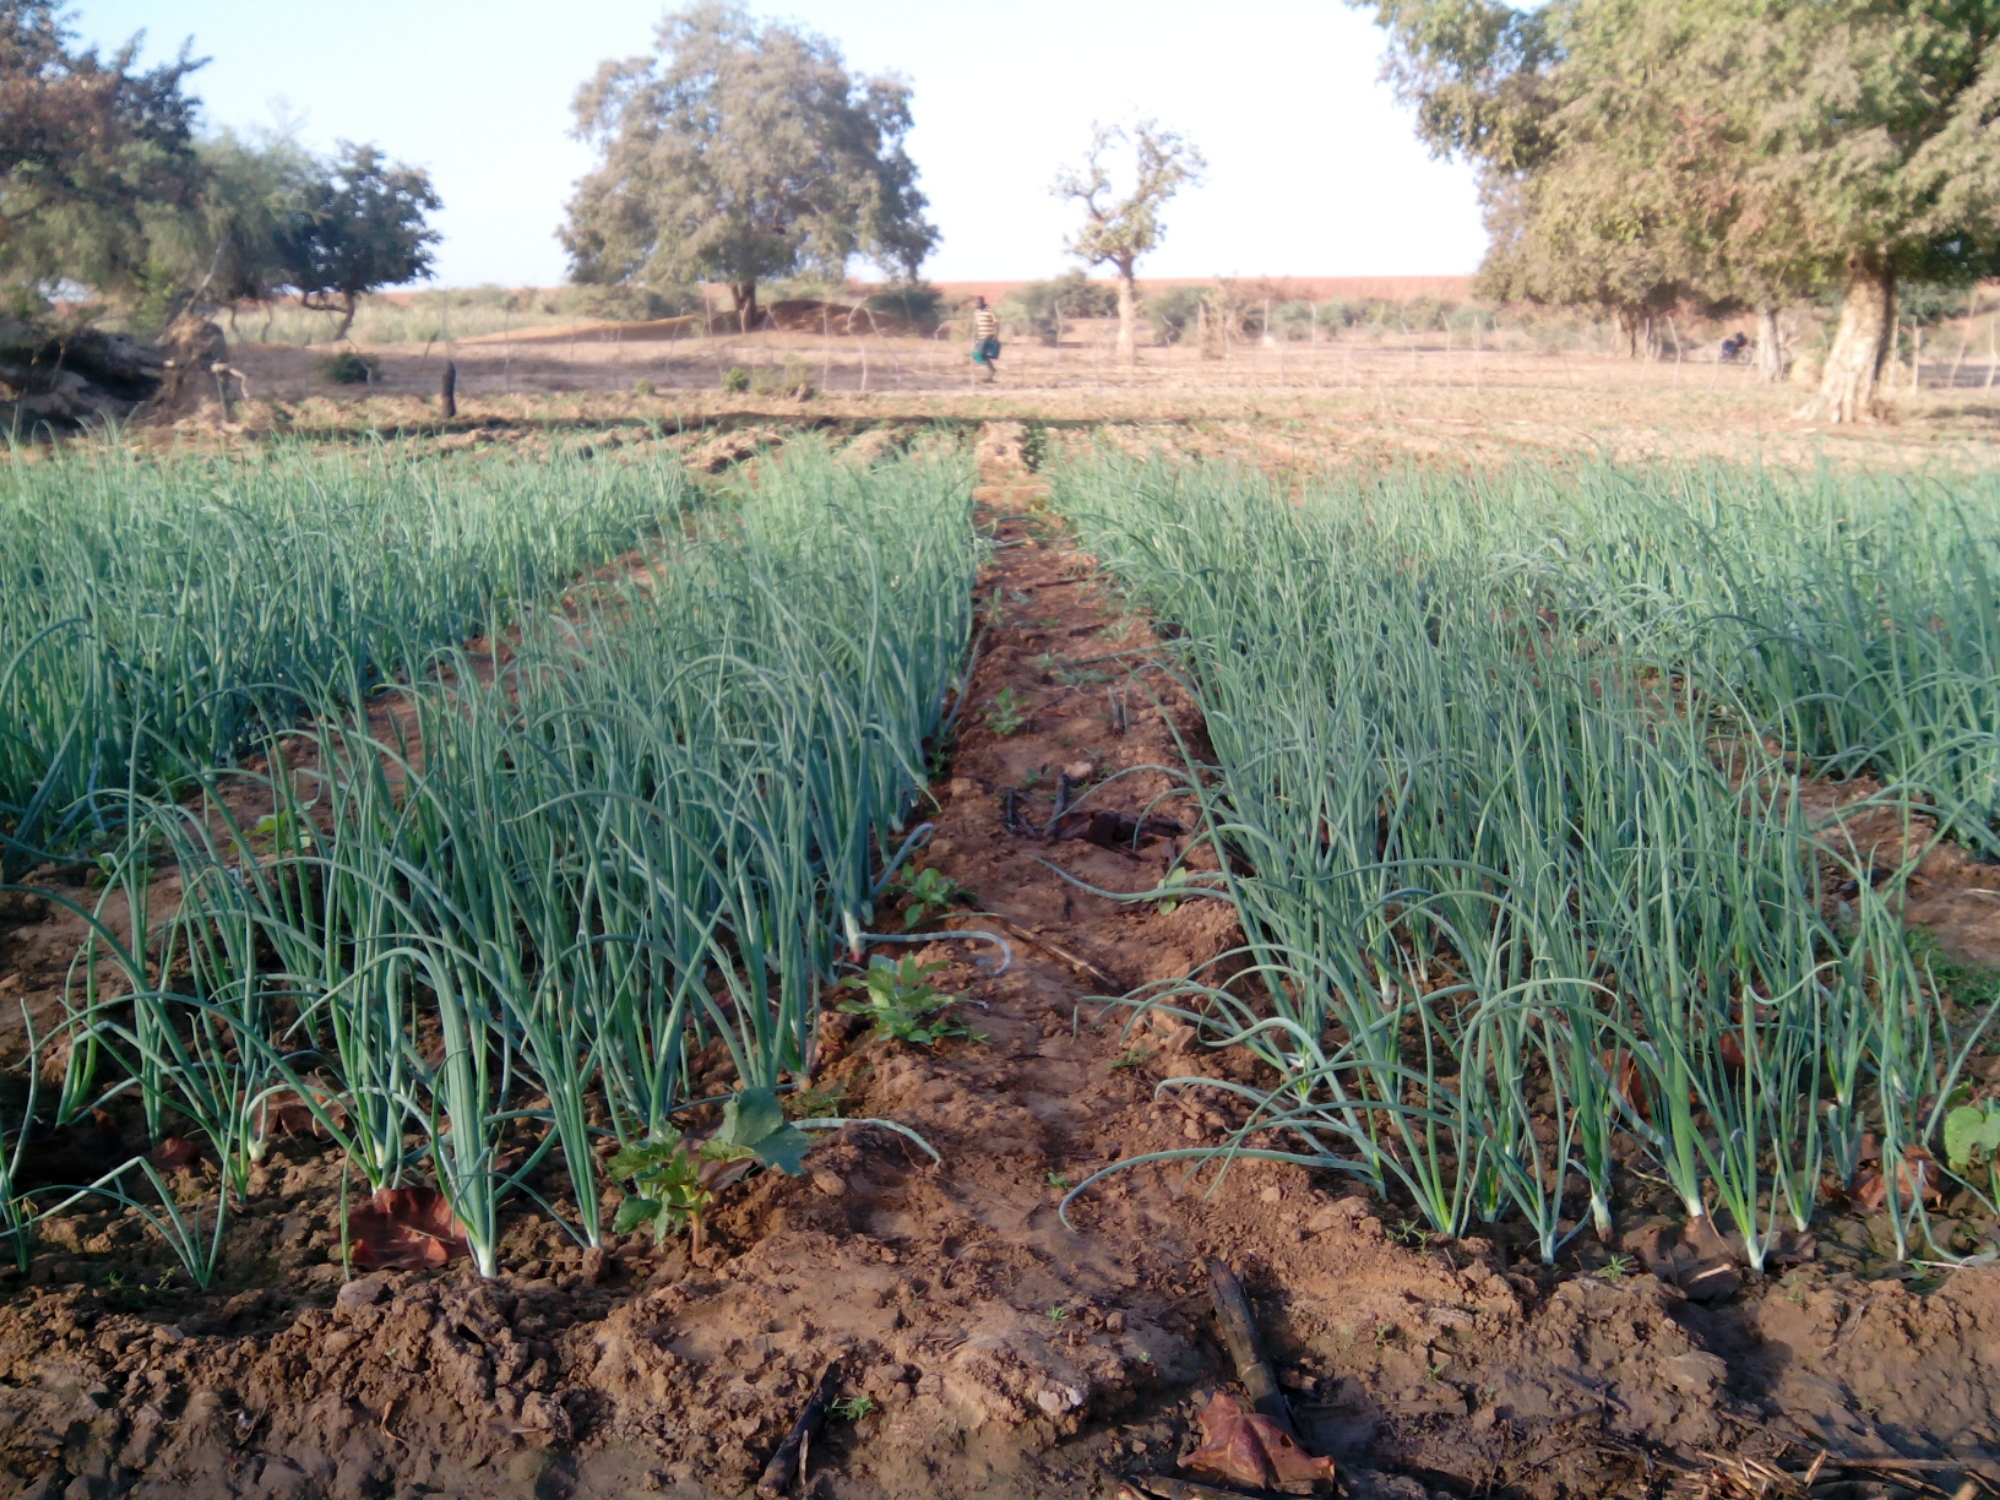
289	834
1007	712
1176	878
1616	1269
854	1408
1131	1057
1058	1179
928	892
903	1006
672	1183
1972	1140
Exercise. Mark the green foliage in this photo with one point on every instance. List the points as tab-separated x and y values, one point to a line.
1763	153
854	1408
363	224
1039	306
665	1190
1122	223
736	380
928	893
671	1186
902	1005
1174	312
916	302
740	152
1972	1140
163	612
1510	765
348	367
1034	447
1006	712
92	153
639	772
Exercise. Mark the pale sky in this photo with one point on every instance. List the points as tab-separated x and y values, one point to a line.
1313	167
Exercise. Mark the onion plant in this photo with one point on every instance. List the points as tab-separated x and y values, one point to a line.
513	915
1510	804
157	612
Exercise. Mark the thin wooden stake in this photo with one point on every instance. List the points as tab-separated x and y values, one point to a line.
784	1464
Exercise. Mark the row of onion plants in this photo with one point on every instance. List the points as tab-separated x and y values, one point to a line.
1507	778
516	919
157	610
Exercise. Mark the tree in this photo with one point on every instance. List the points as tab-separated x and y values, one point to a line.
1749	151
1118	229
235	242
88	149
742	153
361	225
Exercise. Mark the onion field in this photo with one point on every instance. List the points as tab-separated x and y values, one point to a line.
1509	790
156	613
512	917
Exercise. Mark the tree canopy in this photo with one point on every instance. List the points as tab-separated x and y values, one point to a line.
90	148
740	153
104	186
362	224
1122	223
1634	153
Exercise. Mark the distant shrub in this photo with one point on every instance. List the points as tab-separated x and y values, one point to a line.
643	388
627	303
914	302
736	380
347	368
1037	307
1174	313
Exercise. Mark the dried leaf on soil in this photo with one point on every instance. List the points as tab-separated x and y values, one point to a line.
1247	1448
1916	1179
174	1154
404	1229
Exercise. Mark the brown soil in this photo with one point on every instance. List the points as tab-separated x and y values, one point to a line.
1003	1353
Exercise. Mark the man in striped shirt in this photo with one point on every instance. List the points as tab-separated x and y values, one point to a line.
985	338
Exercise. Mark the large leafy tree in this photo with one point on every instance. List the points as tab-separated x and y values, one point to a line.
362	223
1121	210
740	152
90	148
1742	150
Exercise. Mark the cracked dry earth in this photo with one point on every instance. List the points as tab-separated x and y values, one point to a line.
1001	1353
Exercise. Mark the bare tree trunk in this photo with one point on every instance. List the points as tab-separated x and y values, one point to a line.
448	389
1860	347
1628	330
744	295
1128	316
349	305
1770	345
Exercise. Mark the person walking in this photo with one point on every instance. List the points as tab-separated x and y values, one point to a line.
985	338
